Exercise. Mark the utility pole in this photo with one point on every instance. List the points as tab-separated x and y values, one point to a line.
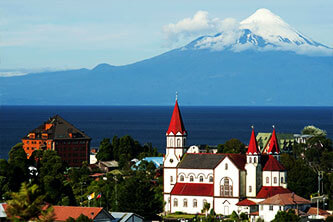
320	177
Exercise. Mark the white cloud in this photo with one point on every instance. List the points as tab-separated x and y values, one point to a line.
199	24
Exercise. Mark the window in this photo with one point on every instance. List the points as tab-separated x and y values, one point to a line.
191	178
171	179
201	178
275	180
270	207
254	159
250	188
178	142
226	187
281	179
175	202
226	166
171	142
250	160
181	178
261	207
169	200
185	203
204	202
211	179
27	142
195	203
267	179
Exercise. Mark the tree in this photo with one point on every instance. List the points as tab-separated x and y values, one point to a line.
51	176
283	216
18	165
105	151
81	218
234	216
303	185
27	204
232	146
312	130
205	208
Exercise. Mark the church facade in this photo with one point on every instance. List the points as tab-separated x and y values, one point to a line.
227	182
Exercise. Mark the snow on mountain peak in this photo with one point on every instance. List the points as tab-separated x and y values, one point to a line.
263	30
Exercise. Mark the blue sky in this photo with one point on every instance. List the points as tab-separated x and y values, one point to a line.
65	34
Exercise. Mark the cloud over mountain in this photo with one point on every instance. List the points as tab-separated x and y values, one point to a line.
261	31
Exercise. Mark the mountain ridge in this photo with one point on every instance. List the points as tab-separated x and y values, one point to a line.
255	76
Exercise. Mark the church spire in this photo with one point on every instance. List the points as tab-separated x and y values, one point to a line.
176	124
253	146
273	144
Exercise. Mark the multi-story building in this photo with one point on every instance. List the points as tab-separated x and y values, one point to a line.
228	182
71	144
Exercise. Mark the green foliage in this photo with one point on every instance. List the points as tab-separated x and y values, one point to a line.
51	176
81	218
312	130
27	204
234	216
105	152
283	216
232	146
123	150
329	218
243	216
303	185
205	208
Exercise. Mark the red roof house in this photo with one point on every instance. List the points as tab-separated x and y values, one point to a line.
266	192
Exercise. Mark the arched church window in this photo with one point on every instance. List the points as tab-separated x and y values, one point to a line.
250	189
171	179
226	166
254	159
195	203
178	143
185	203
250	160
281	179
226	187
181	178
267	179
175	202
201	179
211	179
191	178
275	180
171	142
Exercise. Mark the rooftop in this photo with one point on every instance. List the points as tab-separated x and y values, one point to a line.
58	128
284	199
193	189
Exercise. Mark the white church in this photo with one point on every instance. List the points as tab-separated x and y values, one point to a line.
228	182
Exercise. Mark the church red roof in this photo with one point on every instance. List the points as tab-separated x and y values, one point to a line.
176	123
253	146
246	202
193	189
273	144
266	192
273	165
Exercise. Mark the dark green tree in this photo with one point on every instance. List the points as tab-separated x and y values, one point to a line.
283	216
232	146
303	185
105	151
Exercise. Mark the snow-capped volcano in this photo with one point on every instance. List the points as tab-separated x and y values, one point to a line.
263	30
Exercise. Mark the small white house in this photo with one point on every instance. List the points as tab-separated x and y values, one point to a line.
281	202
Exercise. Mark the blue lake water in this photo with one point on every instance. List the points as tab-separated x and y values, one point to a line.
205	125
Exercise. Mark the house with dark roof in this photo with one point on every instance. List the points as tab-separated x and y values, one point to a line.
71	144
228	182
